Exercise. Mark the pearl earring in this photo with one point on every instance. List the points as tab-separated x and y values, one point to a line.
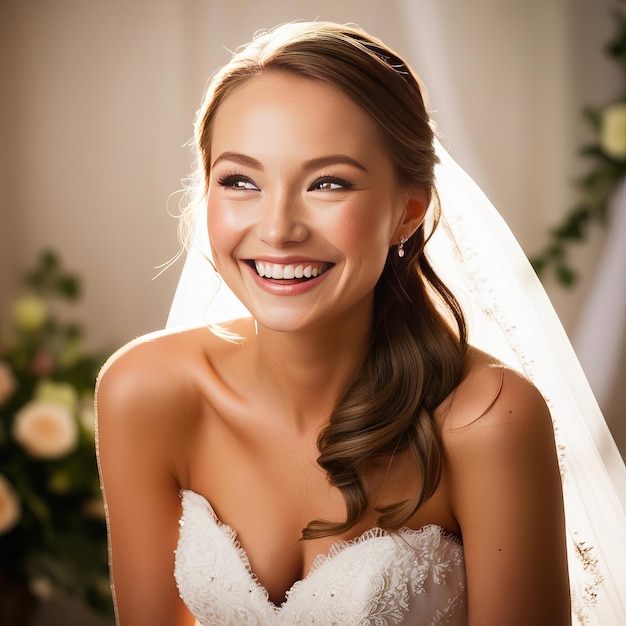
401	246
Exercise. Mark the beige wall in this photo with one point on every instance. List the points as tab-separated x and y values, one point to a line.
97	101
96	125
101	97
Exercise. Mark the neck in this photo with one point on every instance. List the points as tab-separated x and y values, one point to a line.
307	371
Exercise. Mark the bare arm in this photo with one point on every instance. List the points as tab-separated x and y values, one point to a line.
137	440
506	495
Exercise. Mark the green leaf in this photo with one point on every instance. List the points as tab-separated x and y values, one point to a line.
49	260
73	332
539	264
594	118
555	251
68	287
575	225
566	276
616	48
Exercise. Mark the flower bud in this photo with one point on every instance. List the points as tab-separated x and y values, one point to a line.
60	482
43	363
29	314
613	131
41	587
64	394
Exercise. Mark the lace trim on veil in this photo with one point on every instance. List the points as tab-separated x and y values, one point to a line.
510	316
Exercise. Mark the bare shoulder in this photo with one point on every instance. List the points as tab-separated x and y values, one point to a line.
496	430
504	490
147	370
153	396
159	372
494	415
490	394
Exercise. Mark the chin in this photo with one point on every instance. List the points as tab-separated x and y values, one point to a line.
284	323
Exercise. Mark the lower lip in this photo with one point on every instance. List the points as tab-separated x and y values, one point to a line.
288	287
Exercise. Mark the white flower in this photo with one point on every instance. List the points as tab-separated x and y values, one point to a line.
7	382
29	314
613	131
47	430
10	509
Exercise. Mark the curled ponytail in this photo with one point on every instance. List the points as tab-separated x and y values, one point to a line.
415	359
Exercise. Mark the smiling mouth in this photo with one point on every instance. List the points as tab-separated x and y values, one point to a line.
291	271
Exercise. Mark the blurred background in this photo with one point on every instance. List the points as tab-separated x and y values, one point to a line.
98	98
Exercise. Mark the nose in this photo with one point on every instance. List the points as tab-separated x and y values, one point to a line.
281	221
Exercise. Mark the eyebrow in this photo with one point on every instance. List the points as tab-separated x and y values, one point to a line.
325	161
333	159
241	159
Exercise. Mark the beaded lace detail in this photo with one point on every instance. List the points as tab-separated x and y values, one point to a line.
409	577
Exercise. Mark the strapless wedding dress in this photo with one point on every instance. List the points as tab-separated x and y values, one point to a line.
414	577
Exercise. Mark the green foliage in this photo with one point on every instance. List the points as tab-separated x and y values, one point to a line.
55	540
607	169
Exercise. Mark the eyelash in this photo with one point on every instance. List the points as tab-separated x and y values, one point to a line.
231	181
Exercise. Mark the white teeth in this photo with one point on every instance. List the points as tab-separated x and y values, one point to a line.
287	272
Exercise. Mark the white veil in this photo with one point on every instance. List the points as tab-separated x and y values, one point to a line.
510	316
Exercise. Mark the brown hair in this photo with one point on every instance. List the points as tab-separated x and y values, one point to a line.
418	342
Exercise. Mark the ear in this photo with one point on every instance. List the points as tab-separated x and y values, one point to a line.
415	207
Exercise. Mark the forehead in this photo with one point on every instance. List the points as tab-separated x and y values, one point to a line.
281	108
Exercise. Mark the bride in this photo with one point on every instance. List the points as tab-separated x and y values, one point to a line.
346	451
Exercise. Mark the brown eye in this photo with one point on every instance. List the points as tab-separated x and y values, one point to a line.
330	184
238	183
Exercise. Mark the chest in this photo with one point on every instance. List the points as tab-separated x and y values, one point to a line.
266	485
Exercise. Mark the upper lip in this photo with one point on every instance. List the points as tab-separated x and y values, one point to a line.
288	260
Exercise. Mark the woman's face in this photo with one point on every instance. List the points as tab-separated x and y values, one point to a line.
303	204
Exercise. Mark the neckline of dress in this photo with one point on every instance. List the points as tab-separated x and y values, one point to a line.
335	548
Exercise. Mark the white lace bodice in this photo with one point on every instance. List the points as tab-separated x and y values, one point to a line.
414	577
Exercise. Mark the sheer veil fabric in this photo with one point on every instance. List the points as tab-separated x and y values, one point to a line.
510	316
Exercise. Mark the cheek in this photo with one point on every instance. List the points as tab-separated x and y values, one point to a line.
368	231
224	230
